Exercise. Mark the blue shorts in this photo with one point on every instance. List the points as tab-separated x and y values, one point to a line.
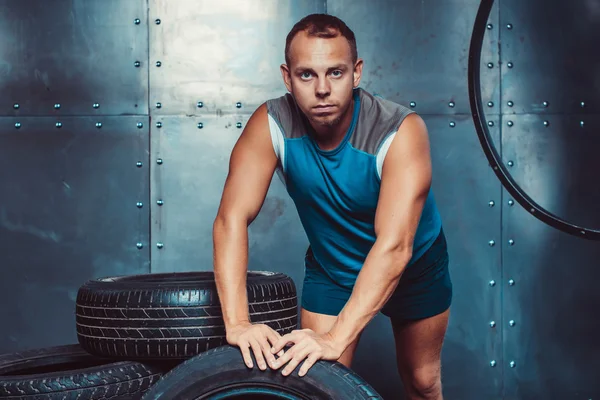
424	290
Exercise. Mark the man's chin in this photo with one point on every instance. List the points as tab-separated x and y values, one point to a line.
325	121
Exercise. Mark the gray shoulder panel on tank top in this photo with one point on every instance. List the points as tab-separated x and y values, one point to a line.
287	114
378	118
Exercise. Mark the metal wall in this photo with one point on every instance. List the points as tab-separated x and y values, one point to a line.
118	116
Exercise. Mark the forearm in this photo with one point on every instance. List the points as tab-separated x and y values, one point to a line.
374	286
230	259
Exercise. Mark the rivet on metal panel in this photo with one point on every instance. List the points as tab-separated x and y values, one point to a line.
200	104
98	125
492	243
512	364
490	104
239	124
490	65
510	103
452	124
57	106
511	202
545	104
158	63
491	203
581	123
159	161
157	21
532	210
160	202
490	123
16	106
139	164
492	283
509	26
139	245
510	163
59	124
546	123
140	125
413	104
511	242
511	322
490	26
200	125
159	124
17	125
493	363
96	105
160	245
509	64
158	105
511	282
492	324
510	123
137	64
451	104
137	21
139	204
238	105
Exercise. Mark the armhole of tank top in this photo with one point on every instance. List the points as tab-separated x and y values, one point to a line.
382	151
278	141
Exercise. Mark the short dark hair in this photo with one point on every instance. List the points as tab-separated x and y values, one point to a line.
323	26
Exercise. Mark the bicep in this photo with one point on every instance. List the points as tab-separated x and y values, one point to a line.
405	184
251	168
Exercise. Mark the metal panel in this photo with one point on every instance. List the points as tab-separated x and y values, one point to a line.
416	50
552	46
69	213
189	181
75	53
463	186
556	163
554	305
219	54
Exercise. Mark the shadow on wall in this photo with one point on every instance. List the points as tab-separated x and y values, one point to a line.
556	345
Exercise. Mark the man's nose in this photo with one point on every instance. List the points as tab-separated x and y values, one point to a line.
323	87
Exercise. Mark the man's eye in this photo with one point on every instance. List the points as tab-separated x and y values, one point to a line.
339	73
305	75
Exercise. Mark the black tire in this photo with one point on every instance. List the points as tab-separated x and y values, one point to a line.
173	315
221	374
69	372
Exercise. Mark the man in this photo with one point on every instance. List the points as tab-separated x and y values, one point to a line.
359	171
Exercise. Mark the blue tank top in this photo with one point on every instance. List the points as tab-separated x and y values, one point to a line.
336	191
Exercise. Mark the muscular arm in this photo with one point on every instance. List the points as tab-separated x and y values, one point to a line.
251	167
405	183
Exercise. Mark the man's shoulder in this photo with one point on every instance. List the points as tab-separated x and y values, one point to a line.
379	118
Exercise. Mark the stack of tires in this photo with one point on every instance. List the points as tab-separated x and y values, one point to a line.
162	336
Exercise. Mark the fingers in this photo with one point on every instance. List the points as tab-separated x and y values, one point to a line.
266	351
295	357
260	360
285	339
245	348
310	361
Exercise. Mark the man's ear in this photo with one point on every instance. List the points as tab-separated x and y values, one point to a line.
287	79
358	67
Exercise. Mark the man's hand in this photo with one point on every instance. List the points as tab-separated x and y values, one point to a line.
307	345
256	337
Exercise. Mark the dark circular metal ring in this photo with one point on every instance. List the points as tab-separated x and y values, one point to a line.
487	144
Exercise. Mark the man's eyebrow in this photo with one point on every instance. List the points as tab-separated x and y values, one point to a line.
341	67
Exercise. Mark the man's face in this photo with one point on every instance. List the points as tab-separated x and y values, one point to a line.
321	77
